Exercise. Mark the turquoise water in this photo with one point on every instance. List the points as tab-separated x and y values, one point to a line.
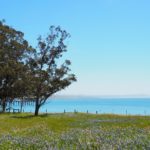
136	106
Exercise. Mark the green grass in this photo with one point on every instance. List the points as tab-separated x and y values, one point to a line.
78	130
10	123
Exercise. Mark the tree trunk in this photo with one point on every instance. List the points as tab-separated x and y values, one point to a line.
37	107
21	105
3	105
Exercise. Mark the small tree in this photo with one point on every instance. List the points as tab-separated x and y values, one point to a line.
14	53
49	76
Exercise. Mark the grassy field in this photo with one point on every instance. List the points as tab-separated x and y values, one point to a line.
74	131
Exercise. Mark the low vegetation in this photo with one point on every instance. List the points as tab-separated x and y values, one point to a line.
74	131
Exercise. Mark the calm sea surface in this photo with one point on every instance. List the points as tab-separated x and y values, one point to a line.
101	105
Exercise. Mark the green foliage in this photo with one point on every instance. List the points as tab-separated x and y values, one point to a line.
32	73
47	76
14	53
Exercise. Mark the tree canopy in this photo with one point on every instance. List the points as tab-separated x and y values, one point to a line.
28	72
14	53
49	75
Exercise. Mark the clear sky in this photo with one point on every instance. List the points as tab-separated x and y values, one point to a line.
109	45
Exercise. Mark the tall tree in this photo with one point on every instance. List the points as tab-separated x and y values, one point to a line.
14	53
50	74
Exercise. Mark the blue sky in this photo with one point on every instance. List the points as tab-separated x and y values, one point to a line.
109	45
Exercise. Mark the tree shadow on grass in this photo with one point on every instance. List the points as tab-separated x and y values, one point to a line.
28	116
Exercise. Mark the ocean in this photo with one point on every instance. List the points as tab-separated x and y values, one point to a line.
126	106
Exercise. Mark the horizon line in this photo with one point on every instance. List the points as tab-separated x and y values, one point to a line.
101	96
